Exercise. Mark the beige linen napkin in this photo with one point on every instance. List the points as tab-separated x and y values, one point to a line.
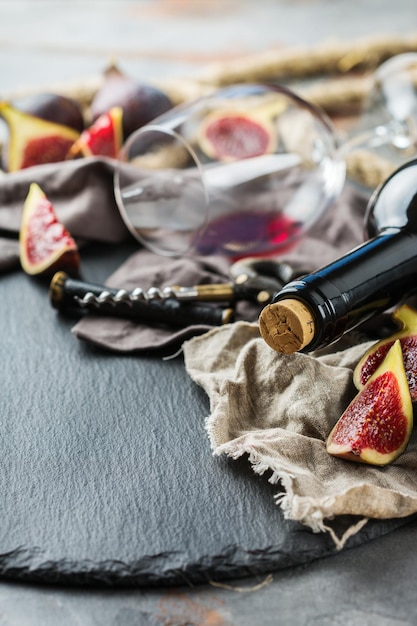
279	409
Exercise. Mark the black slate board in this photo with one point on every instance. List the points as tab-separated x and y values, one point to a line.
106	475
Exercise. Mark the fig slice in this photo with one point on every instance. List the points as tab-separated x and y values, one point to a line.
376	426
406	317
32	140
233	135
103	138
45	244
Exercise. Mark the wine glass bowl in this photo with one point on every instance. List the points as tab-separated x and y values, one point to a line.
244	171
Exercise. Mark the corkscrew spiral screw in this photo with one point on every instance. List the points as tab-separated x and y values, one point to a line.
122	296
153	305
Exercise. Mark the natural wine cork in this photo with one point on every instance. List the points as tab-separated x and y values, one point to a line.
287	326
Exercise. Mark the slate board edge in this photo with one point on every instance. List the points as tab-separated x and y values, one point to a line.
169	569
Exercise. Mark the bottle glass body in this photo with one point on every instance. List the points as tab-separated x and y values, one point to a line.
373	277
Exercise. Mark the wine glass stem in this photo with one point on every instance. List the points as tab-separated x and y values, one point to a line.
396	135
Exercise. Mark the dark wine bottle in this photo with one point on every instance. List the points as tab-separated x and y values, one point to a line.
315	310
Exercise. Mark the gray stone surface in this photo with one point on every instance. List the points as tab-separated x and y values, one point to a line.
52	41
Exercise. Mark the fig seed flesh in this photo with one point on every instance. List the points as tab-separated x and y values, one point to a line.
44	150
103	138
374	420
409	348
32	140
230	136
45	244
376	426
407	335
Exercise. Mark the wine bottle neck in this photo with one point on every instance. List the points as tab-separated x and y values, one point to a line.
367	280
395	203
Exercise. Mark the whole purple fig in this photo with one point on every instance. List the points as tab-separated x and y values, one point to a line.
140	102
53	107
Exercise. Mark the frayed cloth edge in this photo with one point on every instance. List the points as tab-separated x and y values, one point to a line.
303	510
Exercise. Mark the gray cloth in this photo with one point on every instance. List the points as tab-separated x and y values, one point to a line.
146	269
83	197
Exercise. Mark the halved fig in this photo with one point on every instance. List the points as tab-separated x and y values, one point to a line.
45	244
233	135
103	138
376	426
406	317
32	140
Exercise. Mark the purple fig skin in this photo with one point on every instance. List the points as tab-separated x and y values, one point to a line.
140	102
53	108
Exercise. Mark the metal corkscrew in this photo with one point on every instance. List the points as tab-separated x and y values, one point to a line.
153	305
198	293
255	280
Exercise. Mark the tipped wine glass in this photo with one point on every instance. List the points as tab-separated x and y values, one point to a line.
387	128
244	171
247	170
